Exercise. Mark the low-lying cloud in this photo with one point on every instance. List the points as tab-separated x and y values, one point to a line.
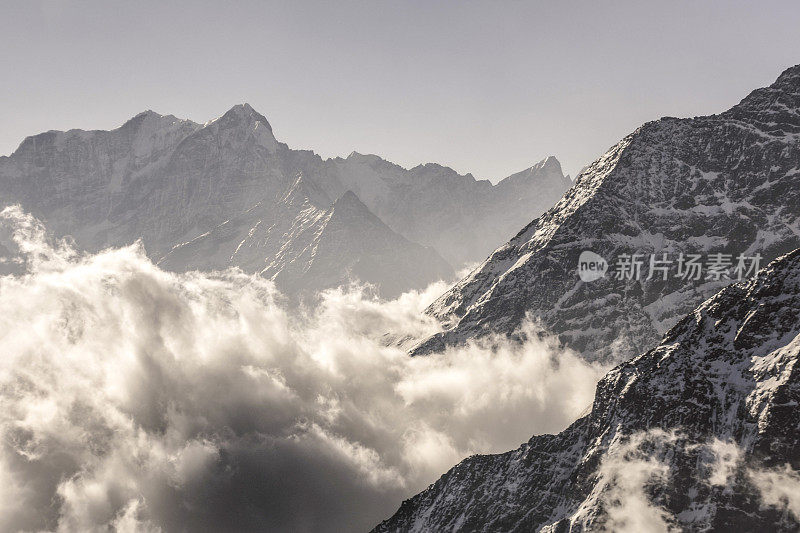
141	400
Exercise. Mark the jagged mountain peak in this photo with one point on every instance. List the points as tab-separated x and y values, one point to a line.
148	113
139	129
775	109
371	160
545	173
358	155
349	199
245	112
547	166
345	243
242	123
243	117
150	120
349	205
789	78
169	181
548	163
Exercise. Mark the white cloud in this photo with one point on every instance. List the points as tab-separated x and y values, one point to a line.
627	469
779	488
726	456
636	468
139	399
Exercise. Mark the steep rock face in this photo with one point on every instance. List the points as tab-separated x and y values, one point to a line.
156	178
305	244
252	238
719	184
699	433
347	243
169	181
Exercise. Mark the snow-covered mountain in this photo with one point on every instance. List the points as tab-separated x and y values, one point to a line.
252	238
306	245
157	178
170	181
463	219
698	434
724	183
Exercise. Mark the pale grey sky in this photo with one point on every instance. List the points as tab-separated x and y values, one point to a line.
487	87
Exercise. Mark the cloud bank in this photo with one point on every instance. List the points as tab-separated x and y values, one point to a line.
134	399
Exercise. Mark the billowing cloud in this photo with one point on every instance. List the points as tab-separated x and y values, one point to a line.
726	459
779	487
140	400
627	469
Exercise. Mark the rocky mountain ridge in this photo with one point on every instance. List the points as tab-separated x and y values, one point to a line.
697	434
720	184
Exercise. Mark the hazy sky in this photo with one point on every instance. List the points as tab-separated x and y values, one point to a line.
485	87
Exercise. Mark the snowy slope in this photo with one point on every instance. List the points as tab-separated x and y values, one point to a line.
724	183
347	243
252	238
693	434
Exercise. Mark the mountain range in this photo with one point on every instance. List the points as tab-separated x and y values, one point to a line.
696	427
227	193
